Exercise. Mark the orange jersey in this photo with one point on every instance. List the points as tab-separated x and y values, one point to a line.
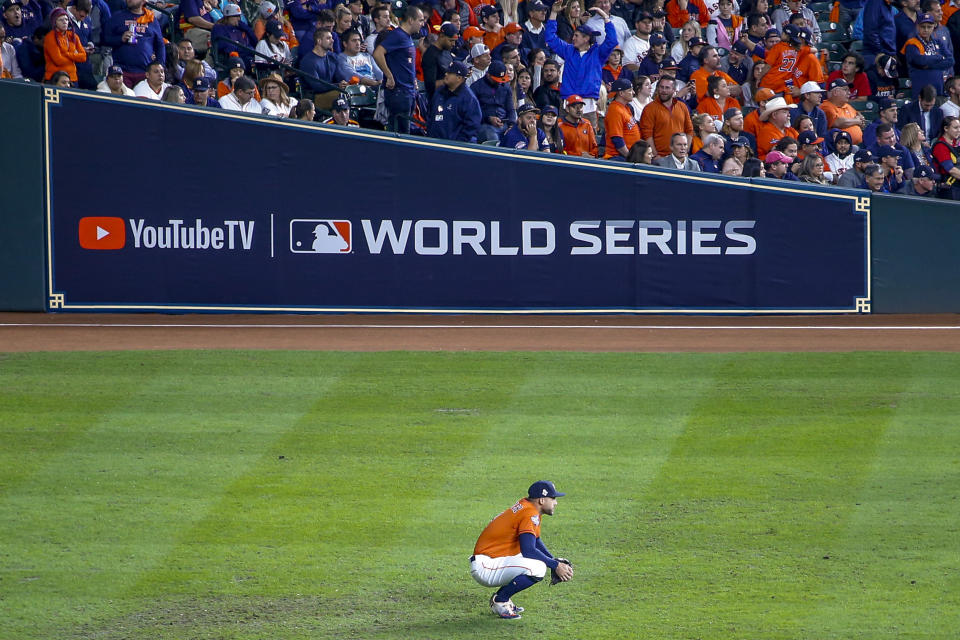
660	123
699	79
770	136
833	112
502	536
714	108
578	138
620	123
751	122
782	59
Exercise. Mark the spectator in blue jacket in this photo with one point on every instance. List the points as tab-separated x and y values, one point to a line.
30	55
230	30
496	102
879	30
926	58
20	19
454	110
525	134
136	40
304	14
583	60
535	29
905	21
79	15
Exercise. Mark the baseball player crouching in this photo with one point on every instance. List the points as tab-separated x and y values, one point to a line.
509	553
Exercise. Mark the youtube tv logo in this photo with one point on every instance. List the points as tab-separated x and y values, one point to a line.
102	233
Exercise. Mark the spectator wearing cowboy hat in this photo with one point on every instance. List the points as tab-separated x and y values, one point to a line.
496	102
454	111
525	134
276	101
579	137
340	114
622	129
840	113
854	178
774	125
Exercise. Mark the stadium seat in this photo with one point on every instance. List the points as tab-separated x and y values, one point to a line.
905	83
833	36
821	8
835	50
491	143
856	45
868	109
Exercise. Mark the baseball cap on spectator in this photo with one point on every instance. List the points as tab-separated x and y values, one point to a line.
202	84
513	27
805	34
923	171
695	42
472	32
536	5
887	103
340	105
863	155
775	156
644	15
772	31
809	137
810	87
887	151
620	84
659	13
457	68
543	489
231	10
11	3
740	48
526	107
478	50
115	70
926	17
235	62
739	142
837	82
267	9
449	29
498	72
889	65
574	99
488	10
729	113
274	29
657	38
550	109
842	135
790	32
764	94
587	31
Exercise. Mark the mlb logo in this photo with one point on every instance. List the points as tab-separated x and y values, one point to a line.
321	236
102	233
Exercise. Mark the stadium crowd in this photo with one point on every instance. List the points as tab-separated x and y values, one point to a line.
857	93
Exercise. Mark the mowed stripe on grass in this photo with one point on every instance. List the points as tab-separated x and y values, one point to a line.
704	493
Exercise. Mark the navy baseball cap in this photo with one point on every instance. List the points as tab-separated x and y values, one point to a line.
887	151
926	17
842	135
620	84
740	48
202	84
536	6
449	29
543	489
694	42
643	15
7	4
923	171
886	103
863	155
587	31
657	38
809	137
458	69
115	70
340	105
837	82
488	10
527	108
772	31
550	109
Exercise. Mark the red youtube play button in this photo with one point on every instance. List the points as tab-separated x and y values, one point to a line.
102	233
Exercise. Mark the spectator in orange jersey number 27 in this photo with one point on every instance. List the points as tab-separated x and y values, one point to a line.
509	553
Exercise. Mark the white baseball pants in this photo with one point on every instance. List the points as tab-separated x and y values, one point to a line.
496	572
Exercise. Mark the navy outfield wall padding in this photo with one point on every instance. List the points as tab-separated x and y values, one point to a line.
292	217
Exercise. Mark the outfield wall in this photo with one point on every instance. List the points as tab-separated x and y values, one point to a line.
274	216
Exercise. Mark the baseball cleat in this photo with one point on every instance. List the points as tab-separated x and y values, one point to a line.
505	610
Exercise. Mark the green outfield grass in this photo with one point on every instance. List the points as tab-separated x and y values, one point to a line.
338	495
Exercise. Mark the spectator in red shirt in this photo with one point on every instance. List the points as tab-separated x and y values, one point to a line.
851	70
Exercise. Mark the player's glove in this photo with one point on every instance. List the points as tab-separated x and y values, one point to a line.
554	578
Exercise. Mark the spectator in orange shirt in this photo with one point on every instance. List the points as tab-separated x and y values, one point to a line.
62	48
790	60
717	99
774	125
681	11
664	117
579	138
710	66
622	129
490	23
751	122
840	113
